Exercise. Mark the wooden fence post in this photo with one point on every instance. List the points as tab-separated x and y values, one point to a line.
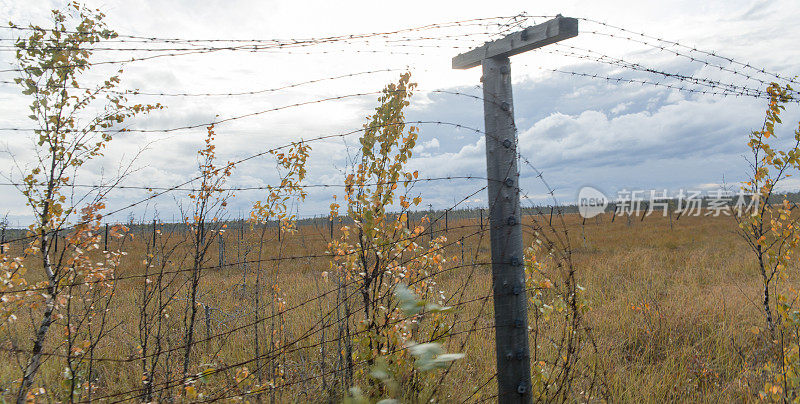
505	219
221	242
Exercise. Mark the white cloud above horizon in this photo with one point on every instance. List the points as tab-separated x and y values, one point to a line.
576	130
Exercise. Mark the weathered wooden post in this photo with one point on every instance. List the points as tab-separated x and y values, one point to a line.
221	243
462	250
669	209
239	263
207	312
505	230
430	222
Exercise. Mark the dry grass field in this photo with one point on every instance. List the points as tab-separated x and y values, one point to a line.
388	307
672	313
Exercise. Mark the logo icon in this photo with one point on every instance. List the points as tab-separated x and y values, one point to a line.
591	202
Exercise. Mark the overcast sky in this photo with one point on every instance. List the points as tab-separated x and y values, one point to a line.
577	130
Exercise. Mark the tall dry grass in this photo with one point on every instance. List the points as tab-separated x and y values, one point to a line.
672	309
672	312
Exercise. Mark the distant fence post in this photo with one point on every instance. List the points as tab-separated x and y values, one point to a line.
221	242
645	210
669	210
430	222
207	310
462	250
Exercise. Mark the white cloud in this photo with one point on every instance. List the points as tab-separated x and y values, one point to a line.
620	107
577	130
431	144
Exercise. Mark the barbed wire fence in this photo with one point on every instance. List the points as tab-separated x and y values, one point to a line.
305	359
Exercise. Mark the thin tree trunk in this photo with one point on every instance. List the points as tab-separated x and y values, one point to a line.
47	320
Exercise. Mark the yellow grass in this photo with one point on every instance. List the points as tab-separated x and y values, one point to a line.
672	314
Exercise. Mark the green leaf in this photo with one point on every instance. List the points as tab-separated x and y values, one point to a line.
431	356
409	303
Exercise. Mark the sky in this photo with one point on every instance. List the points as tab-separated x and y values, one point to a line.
573	129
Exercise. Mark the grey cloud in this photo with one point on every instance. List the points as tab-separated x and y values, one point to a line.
575	131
